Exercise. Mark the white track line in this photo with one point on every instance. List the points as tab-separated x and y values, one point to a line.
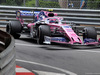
46	73
88	51
29	62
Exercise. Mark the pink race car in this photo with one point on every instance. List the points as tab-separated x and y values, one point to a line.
47	27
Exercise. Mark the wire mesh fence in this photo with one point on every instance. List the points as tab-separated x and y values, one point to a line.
69	4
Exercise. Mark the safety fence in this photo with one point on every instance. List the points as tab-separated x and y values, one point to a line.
76	16
7	54
71	4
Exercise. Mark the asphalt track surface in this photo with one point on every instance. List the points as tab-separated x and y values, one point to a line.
56	59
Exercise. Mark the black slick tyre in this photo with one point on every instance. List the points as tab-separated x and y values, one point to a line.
43	30
14	28
90	32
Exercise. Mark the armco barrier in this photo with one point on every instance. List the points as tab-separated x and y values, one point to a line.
77	16
7	54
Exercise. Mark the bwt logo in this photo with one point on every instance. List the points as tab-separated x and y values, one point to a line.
60	39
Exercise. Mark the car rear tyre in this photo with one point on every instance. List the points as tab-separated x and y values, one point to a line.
14	28
90	32
43	30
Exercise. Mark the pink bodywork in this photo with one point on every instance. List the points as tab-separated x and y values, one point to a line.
74	38
68	33
63	28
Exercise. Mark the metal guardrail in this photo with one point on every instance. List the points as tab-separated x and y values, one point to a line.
77	16
7	54
91	17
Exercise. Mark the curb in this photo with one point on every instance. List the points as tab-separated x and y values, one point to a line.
23	71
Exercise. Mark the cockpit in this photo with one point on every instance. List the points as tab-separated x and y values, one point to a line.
54	20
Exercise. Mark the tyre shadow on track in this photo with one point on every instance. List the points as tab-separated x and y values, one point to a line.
53	49
28	40
53	46
56	46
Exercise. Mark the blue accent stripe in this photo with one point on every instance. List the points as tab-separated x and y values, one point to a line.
26	13
60	39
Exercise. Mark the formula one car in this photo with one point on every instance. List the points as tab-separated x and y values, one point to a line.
47	27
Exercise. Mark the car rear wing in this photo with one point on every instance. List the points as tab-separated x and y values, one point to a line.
39	15
20	14
36	15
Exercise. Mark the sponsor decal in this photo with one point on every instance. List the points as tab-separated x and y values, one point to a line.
26	13
89	40
47	39
69	30
60	39
66	27
18	14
